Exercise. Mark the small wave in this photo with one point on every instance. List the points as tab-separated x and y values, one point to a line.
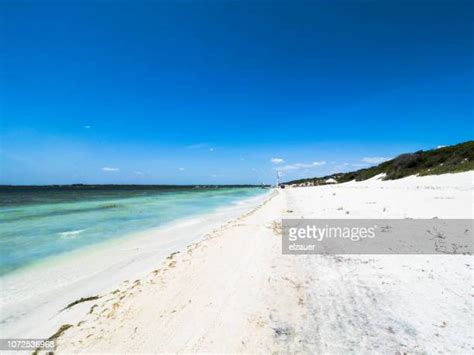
71	234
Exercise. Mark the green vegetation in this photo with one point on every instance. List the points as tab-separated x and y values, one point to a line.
452	159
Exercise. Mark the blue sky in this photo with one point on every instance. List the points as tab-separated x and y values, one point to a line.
211	91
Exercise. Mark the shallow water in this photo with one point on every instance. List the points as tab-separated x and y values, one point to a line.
41	222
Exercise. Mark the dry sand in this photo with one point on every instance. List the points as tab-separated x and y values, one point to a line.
235	292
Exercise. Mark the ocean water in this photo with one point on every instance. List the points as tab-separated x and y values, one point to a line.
40	222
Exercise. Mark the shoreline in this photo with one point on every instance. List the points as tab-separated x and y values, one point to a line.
37	292
235	292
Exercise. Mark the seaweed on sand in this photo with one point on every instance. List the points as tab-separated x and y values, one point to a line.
55	336
83	299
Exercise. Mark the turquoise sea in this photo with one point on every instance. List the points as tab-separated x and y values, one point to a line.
40	222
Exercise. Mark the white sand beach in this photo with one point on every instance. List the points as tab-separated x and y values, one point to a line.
33	297
234	291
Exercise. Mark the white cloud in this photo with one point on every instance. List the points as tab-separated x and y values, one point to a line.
139	173
441	146
298	166
107	168
375	160
181	169
277	160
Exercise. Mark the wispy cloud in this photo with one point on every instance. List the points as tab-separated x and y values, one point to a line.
298	166
110	169
87	127
441	146
375	160
319	163
359	165
140	173
181	169
277	160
